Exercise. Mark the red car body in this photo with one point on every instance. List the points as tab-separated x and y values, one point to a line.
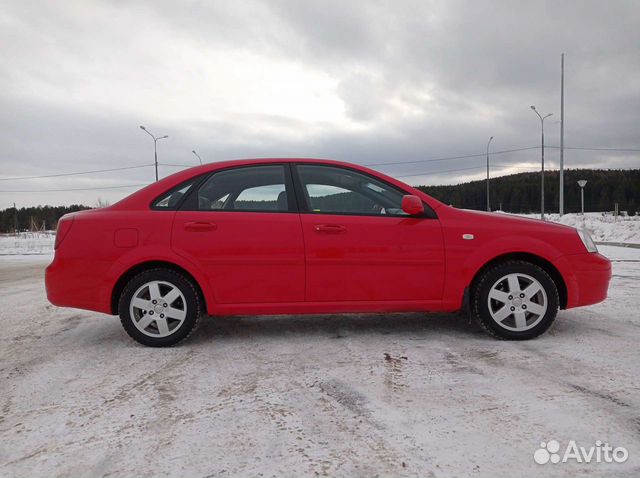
302	262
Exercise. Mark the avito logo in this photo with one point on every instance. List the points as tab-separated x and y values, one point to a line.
602	452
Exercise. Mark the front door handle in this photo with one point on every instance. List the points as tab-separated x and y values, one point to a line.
330	228
198	226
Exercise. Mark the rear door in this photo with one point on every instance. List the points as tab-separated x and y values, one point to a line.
360	245
242	227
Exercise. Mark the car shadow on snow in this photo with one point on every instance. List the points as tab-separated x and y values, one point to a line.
335	326
415	326
332	327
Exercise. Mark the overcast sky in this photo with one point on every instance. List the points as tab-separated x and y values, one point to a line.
367	82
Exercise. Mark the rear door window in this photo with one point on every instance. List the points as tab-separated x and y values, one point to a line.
253	188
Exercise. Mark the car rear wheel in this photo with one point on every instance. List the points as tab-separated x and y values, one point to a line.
515	300
159	307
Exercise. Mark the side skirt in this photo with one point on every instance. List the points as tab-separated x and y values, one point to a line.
331	307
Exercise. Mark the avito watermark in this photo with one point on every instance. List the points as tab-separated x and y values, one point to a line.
602	452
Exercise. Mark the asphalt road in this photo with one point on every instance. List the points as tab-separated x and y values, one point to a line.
348	395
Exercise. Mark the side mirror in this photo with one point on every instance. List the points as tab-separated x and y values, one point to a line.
412	205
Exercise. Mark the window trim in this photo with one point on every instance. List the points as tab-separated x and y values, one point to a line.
292	204
303	199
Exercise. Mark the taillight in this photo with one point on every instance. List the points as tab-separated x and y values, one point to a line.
64	226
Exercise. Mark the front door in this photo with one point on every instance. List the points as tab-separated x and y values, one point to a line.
360	245
241	226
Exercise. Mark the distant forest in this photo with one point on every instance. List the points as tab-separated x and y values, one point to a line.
35	218
514	193
521	192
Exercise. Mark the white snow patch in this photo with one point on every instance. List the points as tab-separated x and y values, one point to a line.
615	253
27	243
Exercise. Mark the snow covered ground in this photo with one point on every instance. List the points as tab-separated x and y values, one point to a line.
348	395
27	243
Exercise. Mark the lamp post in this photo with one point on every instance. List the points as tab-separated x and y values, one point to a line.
561	208
488	203
155	148
542	118
197	155
582	183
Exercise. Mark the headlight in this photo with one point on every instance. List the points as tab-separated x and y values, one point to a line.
586	239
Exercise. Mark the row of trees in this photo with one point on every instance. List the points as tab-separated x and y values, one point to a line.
34	218
521	192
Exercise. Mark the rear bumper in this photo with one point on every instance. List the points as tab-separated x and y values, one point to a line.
587	278
73	283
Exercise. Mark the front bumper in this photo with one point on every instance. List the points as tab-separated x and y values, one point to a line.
587	278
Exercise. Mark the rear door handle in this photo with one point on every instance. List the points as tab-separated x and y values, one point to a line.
330	228
196	226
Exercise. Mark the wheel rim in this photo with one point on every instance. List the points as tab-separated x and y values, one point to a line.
517	302
158	309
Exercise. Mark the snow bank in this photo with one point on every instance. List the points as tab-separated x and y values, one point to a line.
27	243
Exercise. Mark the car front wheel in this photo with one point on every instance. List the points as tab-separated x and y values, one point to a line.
159	307
515	300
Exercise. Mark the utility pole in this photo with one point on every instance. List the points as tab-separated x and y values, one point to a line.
155	149
542	118
197	156
582	183
488	203
561	134
15	217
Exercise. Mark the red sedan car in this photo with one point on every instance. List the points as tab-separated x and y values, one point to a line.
306	236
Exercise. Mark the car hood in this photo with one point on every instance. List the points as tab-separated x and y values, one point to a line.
512	219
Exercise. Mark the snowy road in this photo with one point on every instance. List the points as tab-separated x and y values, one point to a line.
362	395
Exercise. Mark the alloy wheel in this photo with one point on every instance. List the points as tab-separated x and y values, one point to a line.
517	302
158	309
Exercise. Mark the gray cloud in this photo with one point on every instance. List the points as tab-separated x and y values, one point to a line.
368	82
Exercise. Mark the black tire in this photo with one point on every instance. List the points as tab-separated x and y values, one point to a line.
191	305
480	302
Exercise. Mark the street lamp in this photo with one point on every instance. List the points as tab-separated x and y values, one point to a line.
582	183
155	149
488	204
197	155
542	118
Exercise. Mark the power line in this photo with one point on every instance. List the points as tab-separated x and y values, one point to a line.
406	162
372	164
403	176
74	189
140	185
77	173
460	169
620	150
436	172
426	173
448	158
481	155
